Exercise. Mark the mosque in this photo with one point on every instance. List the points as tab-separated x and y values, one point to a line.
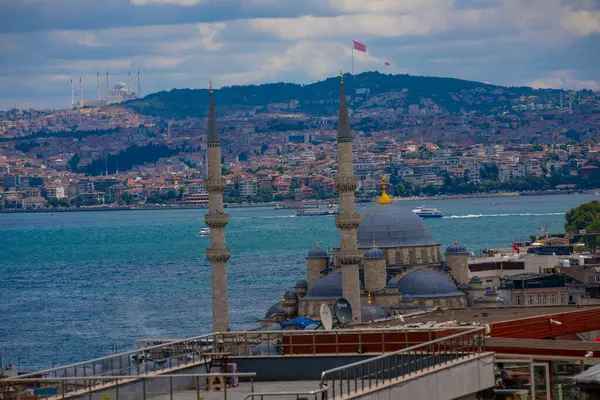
387	262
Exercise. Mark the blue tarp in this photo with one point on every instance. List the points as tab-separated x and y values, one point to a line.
301	322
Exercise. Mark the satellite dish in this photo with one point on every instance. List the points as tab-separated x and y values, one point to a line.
326	318
343	311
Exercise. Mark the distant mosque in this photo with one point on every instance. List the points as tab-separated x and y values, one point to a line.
387	263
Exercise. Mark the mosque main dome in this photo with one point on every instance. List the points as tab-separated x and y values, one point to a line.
428	283
392	225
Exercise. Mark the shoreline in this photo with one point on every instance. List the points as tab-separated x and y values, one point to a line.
273	204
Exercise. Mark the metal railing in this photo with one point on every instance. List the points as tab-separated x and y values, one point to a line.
381	370
173	355
117	387
315	394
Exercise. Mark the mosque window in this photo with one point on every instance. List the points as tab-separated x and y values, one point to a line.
519	300
562	298
530	300
400	257
412	259
424	257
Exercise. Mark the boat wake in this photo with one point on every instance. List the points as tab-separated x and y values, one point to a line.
503	215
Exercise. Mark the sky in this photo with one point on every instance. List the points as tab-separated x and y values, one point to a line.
186	43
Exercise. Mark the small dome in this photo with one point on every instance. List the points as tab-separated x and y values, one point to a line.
317	252
456	248
464	286
301	284
374	254
392	225
290	295
371	312
475	279
491	292
273	310
328	287
428	283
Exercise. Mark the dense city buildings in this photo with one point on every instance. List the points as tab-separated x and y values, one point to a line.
121	155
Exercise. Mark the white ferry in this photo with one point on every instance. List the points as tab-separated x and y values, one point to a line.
428	212
204	232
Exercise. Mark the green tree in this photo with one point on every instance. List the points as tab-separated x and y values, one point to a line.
73	162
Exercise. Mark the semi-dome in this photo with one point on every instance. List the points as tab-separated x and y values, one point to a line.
301	284
328	287
273	310
428	283
371	312
475	279
392	225
456	248
374	254
290	295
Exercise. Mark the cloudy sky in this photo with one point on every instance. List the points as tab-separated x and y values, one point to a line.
184	43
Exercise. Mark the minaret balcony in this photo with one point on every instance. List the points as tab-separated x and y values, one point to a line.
215	185
347	221
216	255
349	257
346	183
216	220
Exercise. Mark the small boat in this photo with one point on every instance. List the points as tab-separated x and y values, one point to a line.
278	207
493	204
204	232
428	212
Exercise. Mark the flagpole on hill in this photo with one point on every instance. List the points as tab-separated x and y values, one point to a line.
353	58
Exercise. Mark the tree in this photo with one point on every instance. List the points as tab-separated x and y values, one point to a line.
73	162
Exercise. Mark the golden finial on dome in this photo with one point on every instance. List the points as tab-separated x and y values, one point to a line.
210	85
282	296
455	241
369	298
384	199
374	243
317	244
342	76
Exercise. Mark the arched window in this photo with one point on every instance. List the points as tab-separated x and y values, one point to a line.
412	258
400	257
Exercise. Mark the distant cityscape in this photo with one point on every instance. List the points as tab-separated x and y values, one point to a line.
121	151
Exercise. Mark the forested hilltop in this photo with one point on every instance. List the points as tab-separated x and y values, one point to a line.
320	98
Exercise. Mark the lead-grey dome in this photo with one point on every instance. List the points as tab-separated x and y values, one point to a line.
317	252
273	310
392	225
371	312
456	248
428	283
328	287
374	254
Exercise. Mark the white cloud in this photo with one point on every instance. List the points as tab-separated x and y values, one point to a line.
185	3
563	79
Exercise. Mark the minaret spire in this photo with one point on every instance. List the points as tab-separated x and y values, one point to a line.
216	220
348	220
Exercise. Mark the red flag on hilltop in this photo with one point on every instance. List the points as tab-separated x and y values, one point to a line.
359	46
516	248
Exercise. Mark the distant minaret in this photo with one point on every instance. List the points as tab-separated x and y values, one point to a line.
80	93
98	77
139	94
129	84
561	99
72	94
348	220
216	220
107	86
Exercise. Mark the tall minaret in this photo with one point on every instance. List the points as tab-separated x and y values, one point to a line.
348	220
216	220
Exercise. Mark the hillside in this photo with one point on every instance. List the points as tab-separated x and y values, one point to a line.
320	98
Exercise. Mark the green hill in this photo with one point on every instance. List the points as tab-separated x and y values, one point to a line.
320	98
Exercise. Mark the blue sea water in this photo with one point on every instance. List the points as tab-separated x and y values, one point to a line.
72	285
